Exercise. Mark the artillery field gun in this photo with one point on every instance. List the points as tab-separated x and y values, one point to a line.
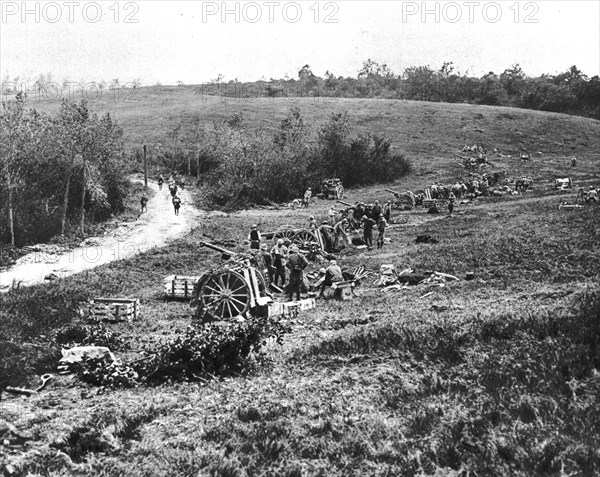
403	198
236	289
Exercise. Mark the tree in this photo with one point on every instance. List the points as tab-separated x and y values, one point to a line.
371	68
13	133
513	80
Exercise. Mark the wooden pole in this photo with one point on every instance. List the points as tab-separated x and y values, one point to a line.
145	168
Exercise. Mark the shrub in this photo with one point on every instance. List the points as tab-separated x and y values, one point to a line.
212	349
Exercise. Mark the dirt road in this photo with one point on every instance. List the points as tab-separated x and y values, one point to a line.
153	229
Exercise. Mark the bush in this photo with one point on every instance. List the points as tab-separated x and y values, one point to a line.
212	349
251	168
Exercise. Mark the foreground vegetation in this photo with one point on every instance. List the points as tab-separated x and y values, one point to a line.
496	376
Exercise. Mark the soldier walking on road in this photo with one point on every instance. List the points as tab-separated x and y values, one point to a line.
144	202
176	204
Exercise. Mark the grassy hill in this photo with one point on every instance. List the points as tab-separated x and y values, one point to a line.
496	376
429	133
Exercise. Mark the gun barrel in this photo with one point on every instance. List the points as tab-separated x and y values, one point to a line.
393	192
217	248
345	203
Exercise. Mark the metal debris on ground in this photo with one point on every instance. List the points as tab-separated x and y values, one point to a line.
77	354
390	279
29	392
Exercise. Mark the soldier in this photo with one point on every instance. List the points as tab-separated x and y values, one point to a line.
312	223
296	263
279	253
265	262
592	195
332	213
333	274
451	201
341	236
307	196
176	204
173	189
381	229
327	234
368	225
254	238
160	182
376	211
387	210
144	202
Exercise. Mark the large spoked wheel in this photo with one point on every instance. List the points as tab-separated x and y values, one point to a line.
225	295
287	233
341	192
303	237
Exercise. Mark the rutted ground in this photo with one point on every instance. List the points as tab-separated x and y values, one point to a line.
154	228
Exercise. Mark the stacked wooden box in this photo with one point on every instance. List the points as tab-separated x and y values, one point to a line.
180	286
114	309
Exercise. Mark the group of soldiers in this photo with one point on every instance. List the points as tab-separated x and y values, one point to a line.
368	217
174	185
274	264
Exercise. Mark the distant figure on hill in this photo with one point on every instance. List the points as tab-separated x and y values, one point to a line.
307	197
144	202
176	204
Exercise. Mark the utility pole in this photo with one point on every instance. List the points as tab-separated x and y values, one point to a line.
145	169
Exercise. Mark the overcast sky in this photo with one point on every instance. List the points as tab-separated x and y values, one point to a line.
194	42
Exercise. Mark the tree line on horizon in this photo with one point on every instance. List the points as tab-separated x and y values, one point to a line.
570	92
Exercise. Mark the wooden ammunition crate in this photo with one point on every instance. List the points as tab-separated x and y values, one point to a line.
290	309
343	290
431	202
114	309
180	286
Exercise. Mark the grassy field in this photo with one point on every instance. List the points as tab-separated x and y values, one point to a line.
428	133
496	376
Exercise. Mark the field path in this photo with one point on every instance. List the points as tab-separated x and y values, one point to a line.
152	229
